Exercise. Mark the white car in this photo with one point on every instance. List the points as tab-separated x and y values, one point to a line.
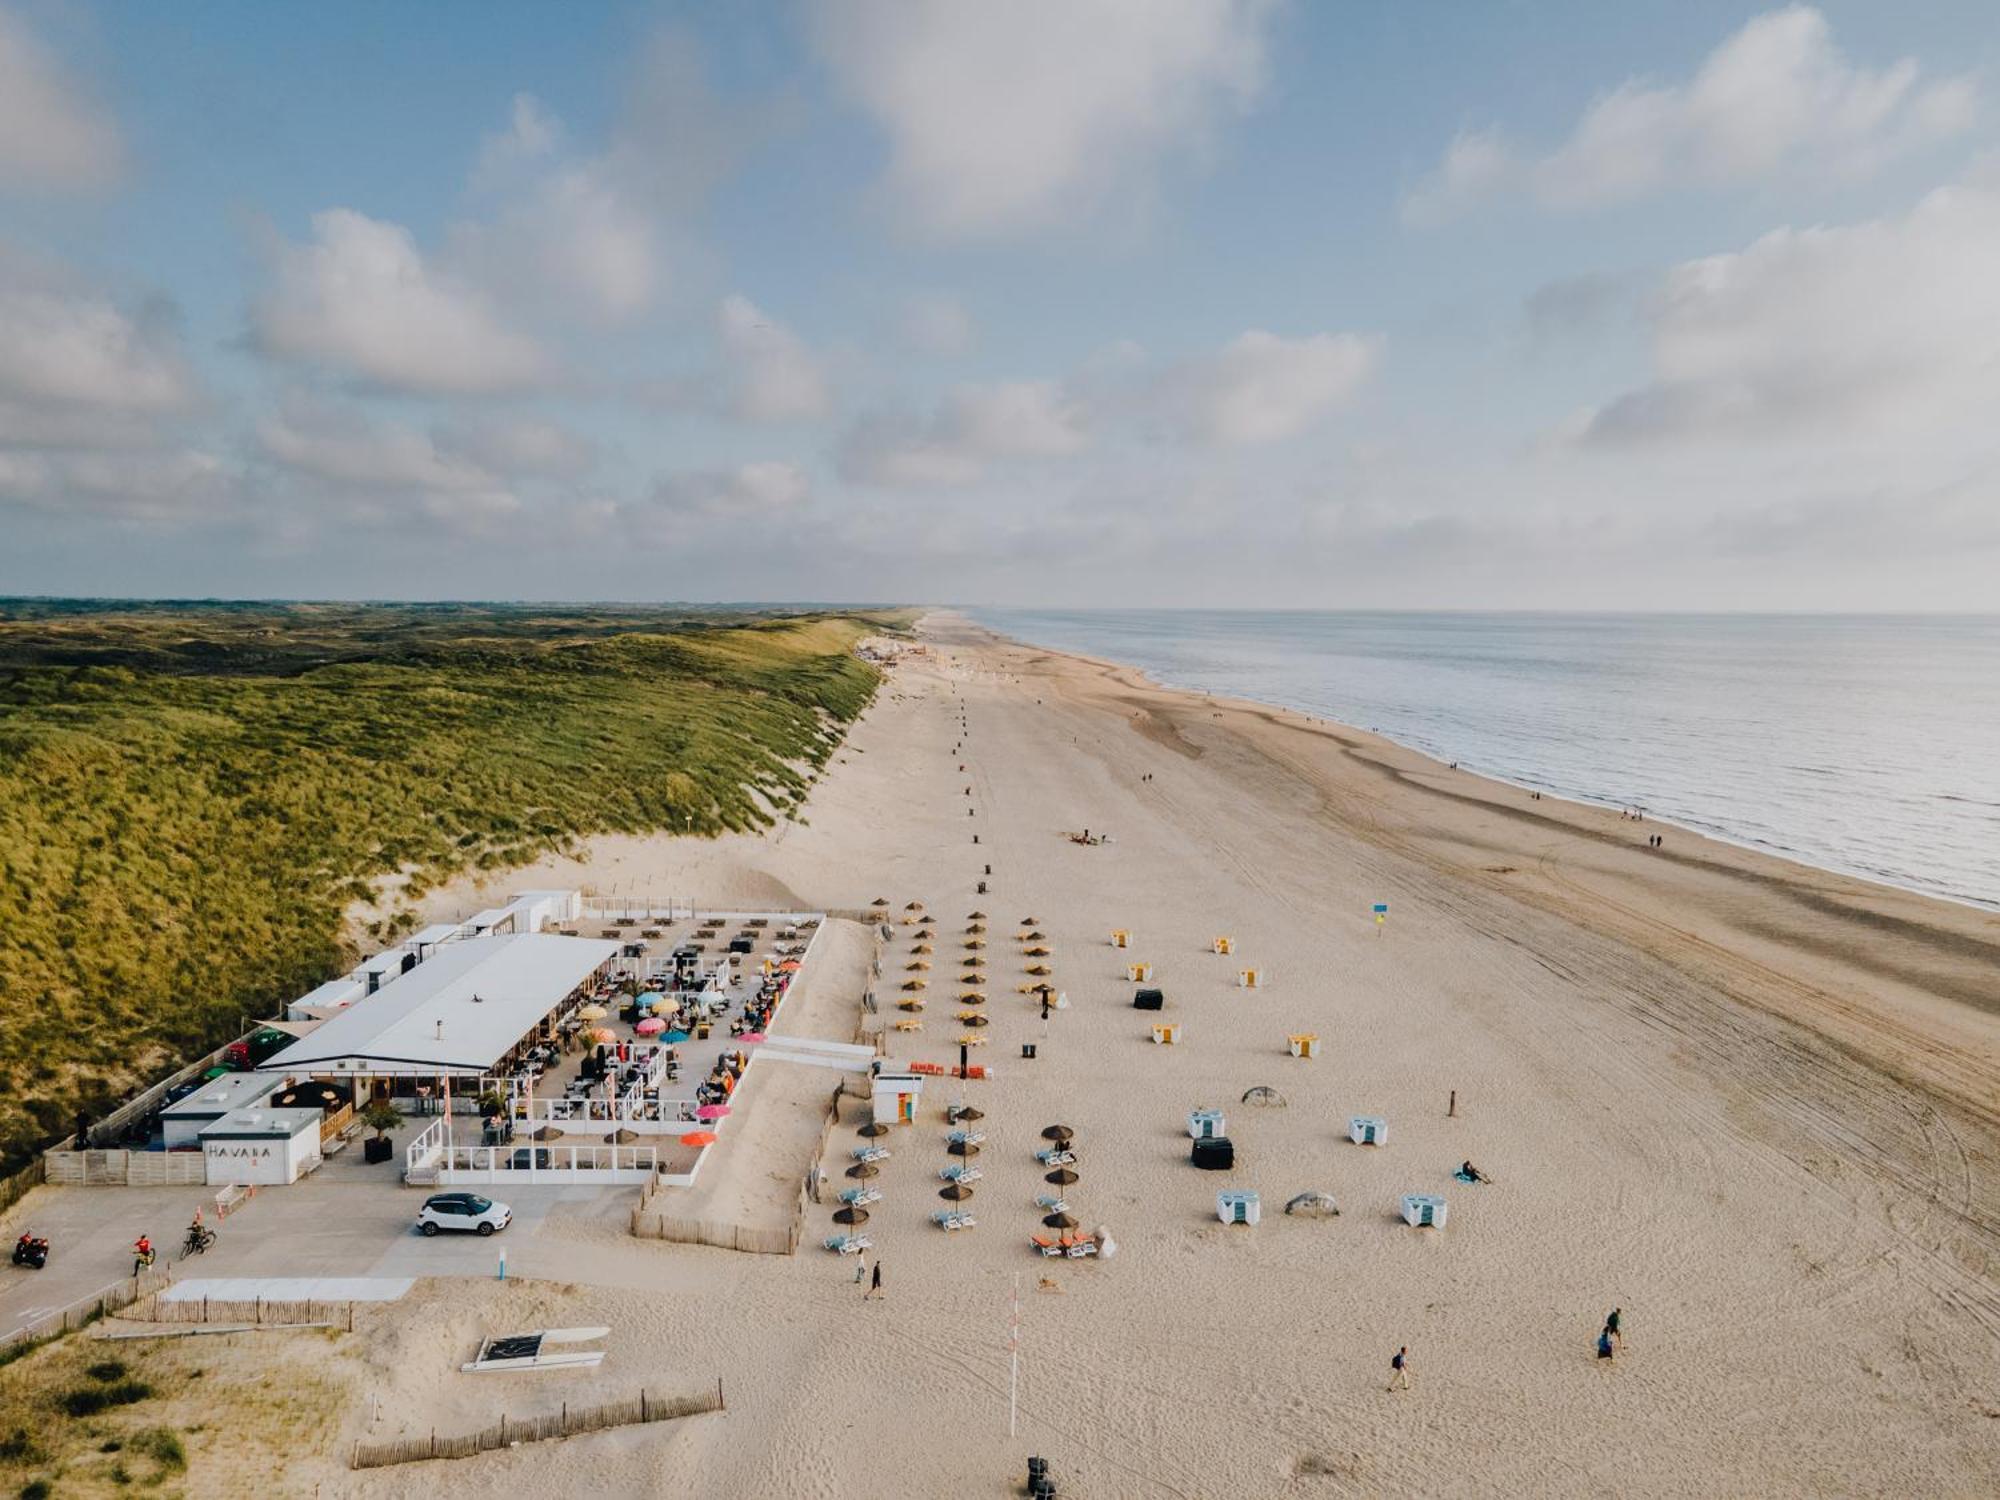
462	1211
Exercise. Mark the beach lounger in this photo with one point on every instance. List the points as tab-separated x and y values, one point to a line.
968	1137
849	1244
857	1197
870	1153
948	1219
1047	1245
1052	1203
964	1173
1077	1246
909	1025
1056	1156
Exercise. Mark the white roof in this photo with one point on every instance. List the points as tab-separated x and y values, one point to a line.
218	1096
334	992
241	1123
458	1012
431	936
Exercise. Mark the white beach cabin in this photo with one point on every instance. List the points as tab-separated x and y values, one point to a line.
182	1122
1206	1124
267	1147
895	1096
1423	1210
1236	1207
1368	1130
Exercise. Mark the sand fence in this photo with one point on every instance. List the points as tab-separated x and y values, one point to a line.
86	1310
508	1431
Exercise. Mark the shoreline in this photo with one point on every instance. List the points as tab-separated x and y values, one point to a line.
1694	829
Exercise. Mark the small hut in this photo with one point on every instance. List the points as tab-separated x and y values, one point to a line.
1167	1035
1234	1206
1138	973
1423	1210
1149	1000
1225	945
1304	1043
1368	1130
1205	1124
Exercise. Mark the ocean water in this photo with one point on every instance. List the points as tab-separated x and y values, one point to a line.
1866	744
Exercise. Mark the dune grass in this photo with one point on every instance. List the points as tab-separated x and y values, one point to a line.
191	795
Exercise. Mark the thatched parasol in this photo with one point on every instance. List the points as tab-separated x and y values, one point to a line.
1030	921
956	1192
1035	952
975	1019
921	948
879	901
850	1214
873	1130
546	1133
1033	937
975	916
914	906
1058	1133
968	1112
1060	1221
912	1005
977	929
1038	969
864	1170
1265	1095
1315	1205
973	945
1061	1177
916	966
916	984
971	997
962	1148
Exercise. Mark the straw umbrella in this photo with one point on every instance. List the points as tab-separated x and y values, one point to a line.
1061	1177
850	1214
956	1192
968	1112
864	1170
874	1129
976	929
1060	1221
962	1148
879	901
975	916
914	906
1038	970
546	1133
1035	952
1058	1133
1031	921
621	1138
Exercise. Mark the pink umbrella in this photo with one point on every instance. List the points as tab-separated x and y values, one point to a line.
711	1112
651	1026
753	1036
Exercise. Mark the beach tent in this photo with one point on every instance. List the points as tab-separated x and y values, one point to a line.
1304	1043
1215	1154
1251	979
1120	938
1235	1207
1167	1035
1368	1130
1423	1210
1266	1096
1314	1205
1149	1000
1138	973
1205	1123
1225	945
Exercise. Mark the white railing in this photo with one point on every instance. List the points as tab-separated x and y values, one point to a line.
530	1163
647	1116
426	1146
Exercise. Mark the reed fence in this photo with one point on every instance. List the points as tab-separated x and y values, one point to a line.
86	1310
258	1310
569	1422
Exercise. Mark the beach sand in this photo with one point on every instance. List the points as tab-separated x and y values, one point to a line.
1755	1106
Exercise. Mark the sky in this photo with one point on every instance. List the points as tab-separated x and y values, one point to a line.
1215	303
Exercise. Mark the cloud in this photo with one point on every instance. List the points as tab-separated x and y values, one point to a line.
360	298
521	445
934	323
1005	118
1778	96
971	428
1882	328
380	467
53	135
66	345
1261	388
753	489
770	374
152	486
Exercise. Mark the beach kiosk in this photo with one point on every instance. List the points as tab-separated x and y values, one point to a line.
1304	1043
1138	973
1120	938
1368	1130
1236	1207
895	1095
1423	1210
1205	1124
1225	945
266	1147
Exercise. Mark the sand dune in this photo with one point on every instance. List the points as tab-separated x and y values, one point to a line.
1754	1106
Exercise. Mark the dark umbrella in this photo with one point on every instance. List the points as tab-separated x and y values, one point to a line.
962	1148
874	1128
546	1133
879	901
850	1215
970	1112
1061	1177
1030	921
956	1192
973	1021
1060	1221
977	916
621	1138
864	1169
1058	1133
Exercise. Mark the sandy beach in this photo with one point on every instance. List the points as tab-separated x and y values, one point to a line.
1754	1106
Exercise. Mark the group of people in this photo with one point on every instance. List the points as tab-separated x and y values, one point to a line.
1610	1340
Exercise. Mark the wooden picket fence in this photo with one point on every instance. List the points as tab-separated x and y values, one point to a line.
569	1422
290	1311
85	1310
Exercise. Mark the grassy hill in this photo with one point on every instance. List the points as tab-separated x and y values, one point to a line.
190	794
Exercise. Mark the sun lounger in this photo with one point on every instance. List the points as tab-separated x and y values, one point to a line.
946	1218
1076	1247
856	1197
1047	1245
967	1137
1056	1156
1052	1203
964	1173
849	1244
870	1153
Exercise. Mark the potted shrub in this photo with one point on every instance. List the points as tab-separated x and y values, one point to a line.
381	1116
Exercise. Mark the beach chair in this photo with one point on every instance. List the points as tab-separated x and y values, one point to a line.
1047	1245
849	1244
967	1137
1056	1156
856	1197
1051	1203
870	1153
1079	1246
961	1172
949	1219
972	1039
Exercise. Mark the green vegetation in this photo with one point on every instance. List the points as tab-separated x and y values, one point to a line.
192	795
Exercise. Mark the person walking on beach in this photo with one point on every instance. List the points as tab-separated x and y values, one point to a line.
1604	1345
1611	1326
874	1284
1399	1366
860	1269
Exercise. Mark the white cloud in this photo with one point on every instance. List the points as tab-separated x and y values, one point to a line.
1777	96
360	298
1883	328
1261	388
754	489
381	467
934	323
1009	117
522	445
772	377
154	486
52	133
971	428
67	345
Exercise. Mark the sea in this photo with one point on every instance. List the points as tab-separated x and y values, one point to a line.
1867	744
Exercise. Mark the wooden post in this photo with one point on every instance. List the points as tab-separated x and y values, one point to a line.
1453	1111
721	1405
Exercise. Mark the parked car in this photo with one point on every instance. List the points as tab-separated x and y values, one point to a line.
466	1212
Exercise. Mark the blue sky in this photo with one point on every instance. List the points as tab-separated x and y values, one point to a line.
1230	302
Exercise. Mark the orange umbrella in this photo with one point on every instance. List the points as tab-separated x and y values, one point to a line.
698	1138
